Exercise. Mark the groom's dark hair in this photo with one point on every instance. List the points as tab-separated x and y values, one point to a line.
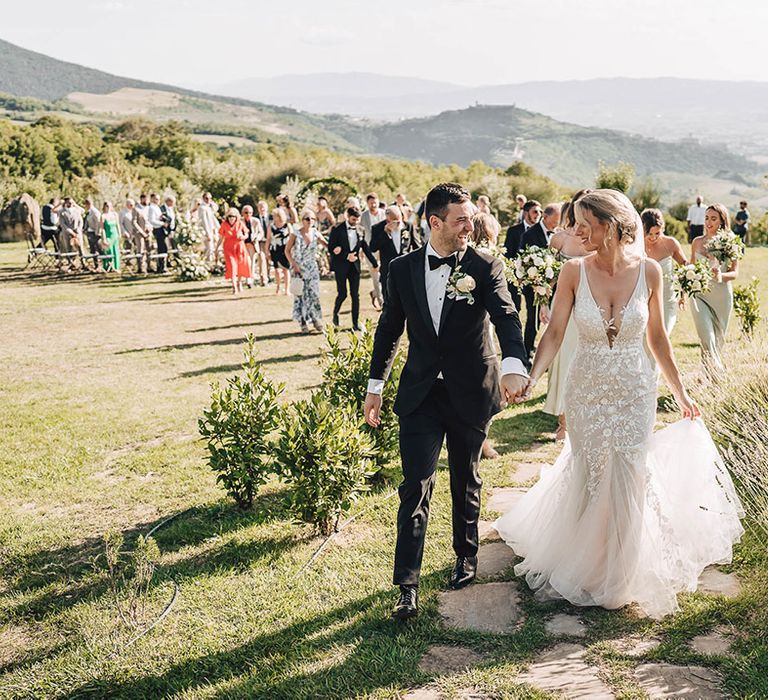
440	196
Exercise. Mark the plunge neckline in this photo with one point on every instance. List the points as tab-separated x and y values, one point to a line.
610	324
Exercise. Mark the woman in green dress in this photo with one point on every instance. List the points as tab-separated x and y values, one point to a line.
110	238
712	310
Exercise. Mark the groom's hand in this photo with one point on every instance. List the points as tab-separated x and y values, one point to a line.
371	409
513	388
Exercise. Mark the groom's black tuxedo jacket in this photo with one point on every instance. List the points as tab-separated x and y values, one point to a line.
535	236
338	238
381	242
463	349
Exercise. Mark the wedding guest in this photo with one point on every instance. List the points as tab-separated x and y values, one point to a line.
346	243
254	235
141	231
712	310
126	222
741	222
513	243
520	201
695	219
284	203
70	229
156	223
301	252
168	213
194	210
109	236
373	215
542	226
277	238
567	246
92	226
265	219
325	216
666	251
485	234
49	224
207	217
351	203
407	211
232	234
484	204
390	239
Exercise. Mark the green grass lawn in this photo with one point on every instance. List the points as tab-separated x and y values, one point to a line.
102	380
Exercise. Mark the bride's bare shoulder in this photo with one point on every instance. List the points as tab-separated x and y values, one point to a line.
653	272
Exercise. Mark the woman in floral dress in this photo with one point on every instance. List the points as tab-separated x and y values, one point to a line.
301	251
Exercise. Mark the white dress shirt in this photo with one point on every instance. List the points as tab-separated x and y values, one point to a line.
396	237
154	216
352	237
435	282
696	214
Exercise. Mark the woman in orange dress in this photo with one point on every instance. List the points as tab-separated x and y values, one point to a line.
232	235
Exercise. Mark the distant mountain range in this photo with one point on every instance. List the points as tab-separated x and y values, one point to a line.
498	135
733	113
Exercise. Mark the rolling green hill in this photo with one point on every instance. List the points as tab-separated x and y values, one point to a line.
566	152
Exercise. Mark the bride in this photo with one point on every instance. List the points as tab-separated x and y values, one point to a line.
624	515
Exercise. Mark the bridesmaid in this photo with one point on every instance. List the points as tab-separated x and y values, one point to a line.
567	246
301	252
712	310
666	251
485	233
110	237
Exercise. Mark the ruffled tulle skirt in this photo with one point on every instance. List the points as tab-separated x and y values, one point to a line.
639	529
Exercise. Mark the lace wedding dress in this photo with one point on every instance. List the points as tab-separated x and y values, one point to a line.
624	515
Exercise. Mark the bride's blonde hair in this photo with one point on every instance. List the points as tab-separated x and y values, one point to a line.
613	208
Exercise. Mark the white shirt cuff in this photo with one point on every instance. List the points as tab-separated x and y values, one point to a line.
376	386
512	365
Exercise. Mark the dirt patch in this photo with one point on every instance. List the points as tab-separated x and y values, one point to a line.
126	100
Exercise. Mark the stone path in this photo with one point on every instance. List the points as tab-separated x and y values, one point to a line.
525	471
487	531
714	582
562	669
563	625
715	642
486	607
493	558
431	693
502	500
679	682
440	658
636	646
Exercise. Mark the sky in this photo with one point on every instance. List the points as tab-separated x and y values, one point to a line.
469	42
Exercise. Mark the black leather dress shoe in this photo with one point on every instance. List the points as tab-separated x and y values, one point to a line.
463	573
407	604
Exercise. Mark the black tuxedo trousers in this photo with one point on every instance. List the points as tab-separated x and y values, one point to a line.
421	438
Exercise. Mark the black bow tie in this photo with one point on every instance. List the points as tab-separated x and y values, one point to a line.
435	262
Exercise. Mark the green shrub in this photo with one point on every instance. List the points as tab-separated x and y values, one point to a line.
646	194
758	231
679	210
325	458
617	177
676	229
746	305
345	382
237	427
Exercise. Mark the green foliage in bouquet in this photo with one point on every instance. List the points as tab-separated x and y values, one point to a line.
237	429
345	383
746	304
325	458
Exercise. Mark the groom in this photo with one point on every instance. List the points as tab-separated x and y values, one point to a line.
450	386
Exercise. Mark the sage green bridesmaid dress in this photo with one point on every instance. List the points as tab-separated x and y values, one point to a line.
711	314
669	297
112	234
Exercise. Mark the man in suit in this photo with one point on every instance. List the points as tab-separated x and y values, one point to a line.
537	234
390	239
346	242
444	294
531	213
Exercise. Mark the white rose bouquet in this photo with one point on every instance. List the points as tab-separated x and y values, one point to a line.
189	234
726	247
537	268
692	279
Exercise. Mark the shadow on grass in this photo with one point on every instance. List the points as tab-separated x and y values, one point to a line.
54	579
204	343
218	369
239	325
517	432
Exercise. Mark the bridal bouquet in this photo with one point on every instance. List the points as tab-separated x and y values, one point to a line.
725	246
499	254
692	279
537	268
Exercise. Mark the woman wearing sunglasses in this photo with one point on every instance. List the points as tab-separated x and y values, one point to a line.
232	235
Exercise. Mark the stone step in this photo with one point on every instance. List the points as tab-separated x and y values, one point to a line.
486	607
662	681
441	658
714	582
493	558
502	499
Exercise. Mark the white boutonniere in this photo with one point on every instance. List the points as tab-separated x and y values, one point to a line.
460	286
